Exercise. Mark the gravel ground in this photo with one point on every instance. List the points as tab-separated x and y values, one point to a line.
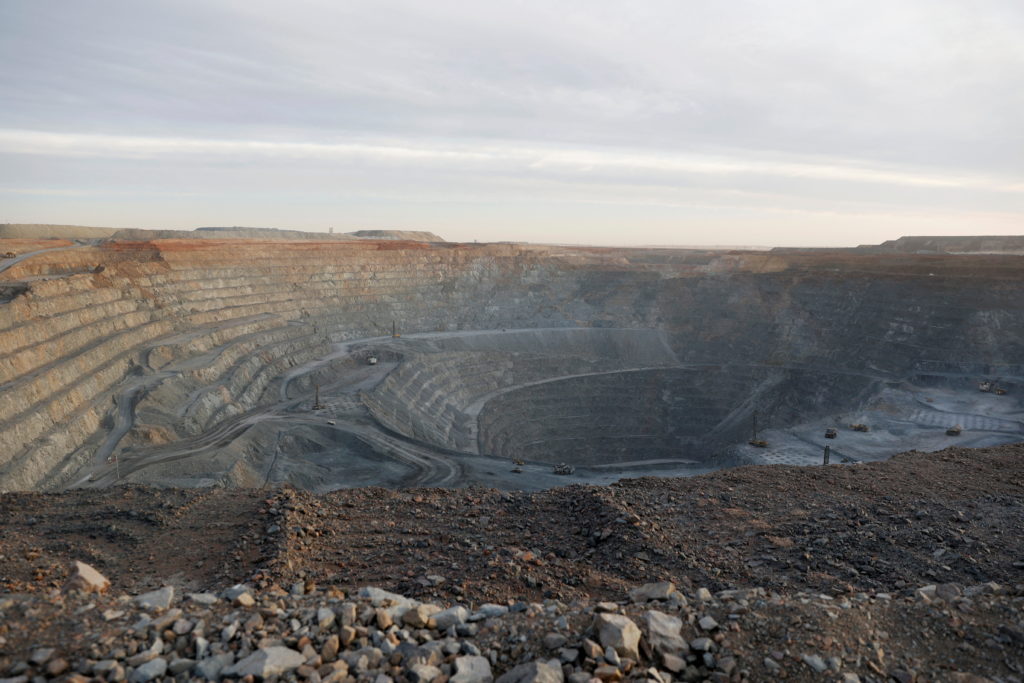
910	569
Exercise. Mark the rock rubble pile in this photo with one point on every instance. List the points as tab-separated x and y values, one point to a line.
657	633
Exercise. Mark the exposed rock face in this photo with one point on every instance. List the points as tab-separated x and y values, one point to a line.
974	244
174	338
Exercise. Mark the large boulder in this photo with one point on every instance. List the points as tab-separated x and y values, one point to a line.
619	633
664	633
158	599
472	669
534	672
267	662
652	591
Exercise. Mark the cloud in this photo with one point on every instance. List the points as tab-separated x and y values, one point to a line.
794	104
602	164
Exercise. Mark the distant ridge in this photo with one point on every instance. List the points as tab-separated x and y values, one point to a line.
46	231
968	244
408	235
50	231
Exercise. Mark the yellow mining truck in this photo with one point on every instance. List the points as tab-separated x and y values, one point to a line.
955	430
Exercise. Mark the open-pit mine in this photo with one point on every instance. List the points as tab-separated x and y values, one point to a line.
237	454
220	358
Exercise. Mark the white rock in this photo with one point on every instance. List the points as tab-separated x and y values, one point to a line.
489	611
203	598
202	646
619	632
231	593
708	623
324	617
652	591
472	669
816	663
420	615
451	617
244	600
702	645
211	667
534	672
155	668
422	673
85	578
379	596
665	633
266	662
158	599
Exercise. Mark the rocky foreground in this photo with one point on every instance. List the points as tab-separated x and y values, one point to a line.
909	570
657	633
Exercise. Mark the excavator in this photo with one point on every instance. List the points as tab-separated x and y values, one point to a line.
955	430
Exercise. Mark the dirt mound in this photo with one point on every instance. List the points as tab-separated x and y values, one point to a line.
910	569
952	516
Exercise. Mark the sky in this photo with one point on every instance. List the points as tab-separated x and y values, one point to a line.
696	122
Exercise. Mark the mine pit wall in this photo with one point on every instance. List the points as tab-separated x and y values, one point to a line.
75	339
166	303
655	414
435	397
881	315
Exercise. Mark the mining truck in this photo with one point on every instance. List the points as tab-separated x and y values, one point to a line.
10	254
372	360
860	427
562	468
831	433
1000	391
985	386
954	430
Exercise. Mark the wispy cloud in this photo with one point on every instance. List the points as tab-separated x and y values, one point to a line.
505	157
659	111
